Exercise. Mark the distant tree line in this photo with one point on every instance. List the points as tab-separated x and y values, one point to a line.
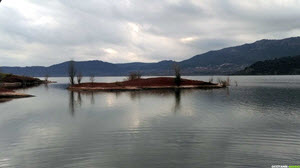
278	66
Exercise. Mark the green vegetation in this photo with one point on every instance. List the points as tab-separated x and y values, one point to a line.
20	81
2	76
278	66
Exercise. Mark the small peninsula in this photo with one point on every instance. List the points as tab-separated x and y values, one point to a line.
9	82
145	84
9	94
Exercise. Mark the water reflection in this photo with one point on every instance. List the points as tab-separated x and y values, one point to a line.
255	126
46	86
177	93
71	103
92	96
3	100
79	98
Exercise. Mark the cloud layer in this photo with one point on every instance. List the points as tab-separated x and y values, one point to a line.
35	32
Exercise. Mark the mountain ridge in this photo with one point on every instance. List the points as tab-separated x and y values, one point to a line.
216	62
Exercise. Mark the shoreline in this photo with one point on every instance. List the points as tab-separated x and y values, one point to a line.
142	88
12	94
159	83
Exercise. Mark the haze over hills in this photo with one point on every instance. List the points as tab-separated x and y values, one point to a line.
224	61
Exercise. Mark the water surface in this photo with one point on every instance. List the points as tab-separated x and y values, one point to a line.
254	124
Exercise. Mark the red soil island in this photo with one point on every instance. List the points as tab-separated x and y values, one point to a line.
149	83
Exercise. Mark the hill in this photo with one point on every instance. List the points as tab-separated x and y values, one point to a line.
281	66
224	61
97	68
232	59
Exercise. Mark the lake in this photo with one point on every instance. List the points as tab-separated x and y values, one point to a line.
254	124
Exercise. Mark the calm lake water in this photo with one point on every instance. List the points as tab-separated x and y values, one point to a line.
256	124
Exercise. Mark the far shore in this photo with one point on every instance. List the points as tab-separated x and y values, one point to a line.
145	84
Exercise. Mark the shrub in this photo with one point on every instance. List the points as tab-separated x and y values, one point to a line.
46	77
177	72
92	78
79	77
236	83
211	80
134	75
224	83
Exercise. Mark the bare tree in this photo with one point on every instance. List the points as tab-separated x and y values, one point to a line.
79	77
92	78
228	81
72	72
211	79
177	71
46	77
134	75
224	83
236	83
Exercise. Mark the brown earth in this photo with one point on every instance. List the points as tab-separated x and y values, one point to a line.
5	93
2	90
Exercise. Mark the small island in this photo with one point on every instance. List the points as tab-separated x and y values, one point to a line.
134	81
145	84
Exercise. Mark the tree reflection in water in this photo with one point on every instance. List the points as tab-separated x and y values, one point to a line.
79	98
133	95
71	103
177	93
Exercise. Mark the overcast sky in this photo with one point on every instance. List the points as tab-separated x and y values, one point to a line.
45	32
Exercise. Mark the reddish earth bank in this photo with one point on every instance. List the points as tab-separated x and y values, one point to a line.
2	90
149	83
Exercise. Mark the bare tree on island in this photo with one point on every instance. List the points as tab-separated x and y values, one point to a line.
72	72
134	75
92	78
79	77
46	77
177	71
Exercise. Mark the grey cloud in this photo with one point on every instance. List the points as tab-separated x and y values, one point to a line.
38	32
